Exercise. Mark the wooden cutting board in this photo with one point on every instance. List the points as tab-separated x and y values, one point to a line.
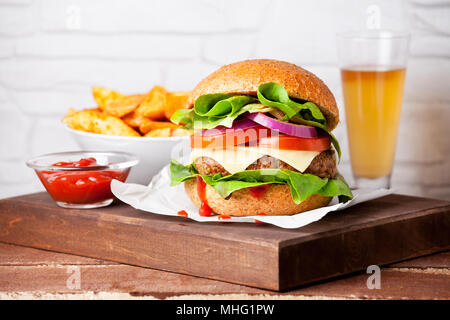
379	232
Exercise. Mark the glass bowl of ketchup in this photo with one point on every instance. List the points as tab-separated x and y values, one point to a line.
81	179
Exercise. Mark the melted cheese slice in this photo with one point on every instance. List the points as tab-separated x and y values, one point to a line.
239	158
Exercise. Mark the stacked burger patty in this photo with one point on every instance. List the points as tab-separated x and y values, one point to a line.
323	165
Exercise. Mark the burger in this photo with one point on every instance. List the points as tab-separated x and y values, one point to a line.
262	142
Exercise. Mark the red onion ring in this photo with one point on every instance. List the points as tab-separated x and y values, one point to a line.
240	124
291	129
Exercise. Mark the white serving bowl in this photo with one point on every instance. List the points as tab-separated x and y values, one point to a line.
153	152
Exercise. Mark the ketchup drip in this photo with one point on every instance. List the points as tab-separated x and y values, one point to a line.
205	210
223	216
182	213
260	214
258	191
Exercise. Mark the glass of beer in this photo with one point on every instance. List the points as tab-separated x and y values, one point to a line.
373	67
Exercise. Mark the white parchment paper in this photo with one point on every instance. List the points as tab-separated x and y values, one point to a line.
160	198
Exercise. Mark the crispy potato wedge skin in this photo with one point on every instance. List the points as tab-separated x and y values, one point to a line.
131	115
154	104
175	101
169	132
154	125
82	120
145	125
181	132
96	121
164	132
114	126
102	96
134	120
123	105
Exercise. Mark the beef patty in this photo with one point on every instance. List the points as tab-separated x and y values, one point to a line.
323	165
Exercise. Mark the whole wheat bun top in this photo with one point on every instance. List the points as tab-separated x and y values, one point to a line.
244	77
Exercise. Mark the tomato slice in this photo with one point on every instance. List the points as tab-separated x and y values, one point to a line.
259	136
229	137
286	142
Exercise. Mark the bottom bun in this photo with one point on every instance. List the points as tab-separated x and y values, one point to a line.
275	201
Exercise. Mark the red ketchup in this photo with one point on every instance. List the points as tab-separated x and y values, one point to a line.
260	214
85	162
182	213
258	191
223	217
80	187
205	210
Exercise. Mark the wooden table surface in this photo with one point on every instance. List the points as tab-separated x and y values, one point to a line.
32	273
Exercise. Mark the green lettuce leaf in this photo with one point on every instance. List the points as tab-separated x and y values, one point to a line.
273	95
301	185
220	105
182	116
218	109
180	173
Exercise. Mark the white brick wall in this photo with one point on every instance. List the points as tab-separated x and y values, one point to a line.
53	51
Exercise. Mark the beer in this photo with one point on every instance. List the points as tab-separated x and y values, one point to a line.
373	100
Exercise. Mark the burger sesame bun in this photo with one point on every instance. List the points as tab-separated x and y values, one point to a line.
275	201
245	77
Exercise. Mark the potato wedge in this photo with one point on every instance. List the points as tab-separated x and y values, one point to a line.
154	103
131	115
134	120
114	126
175	101
150	125
180	132
123	105
102	96
82	120
164	132
95	121
70	113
